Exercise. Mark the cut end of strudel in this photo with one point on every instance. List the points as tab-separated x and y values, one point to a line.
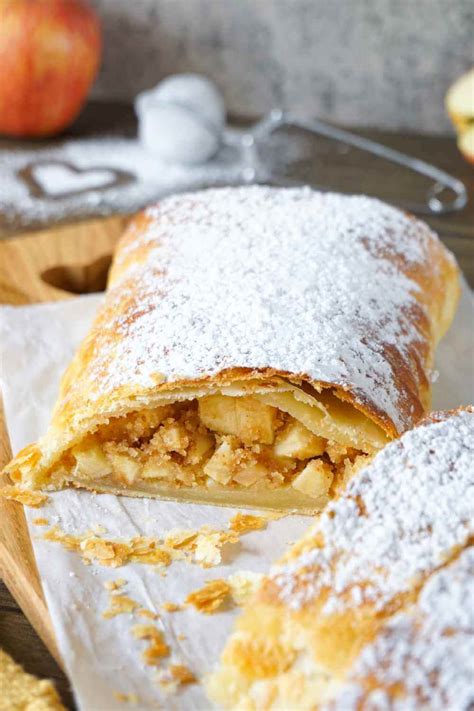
255	346
372	609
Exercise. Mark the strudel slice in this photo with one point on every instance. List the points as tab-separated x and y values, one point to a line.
255	346
372	609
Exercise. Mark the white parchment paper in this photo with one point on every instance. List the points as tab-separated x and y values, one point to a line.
101	656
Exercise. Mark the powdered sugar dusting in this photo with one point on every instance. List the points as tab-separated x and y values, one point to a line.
257	277
75	194
68	195
396	523
427	651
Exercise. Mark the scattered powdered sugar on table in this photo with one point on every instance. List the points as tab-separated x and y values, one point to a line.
257	277
395	524
152	178
427	651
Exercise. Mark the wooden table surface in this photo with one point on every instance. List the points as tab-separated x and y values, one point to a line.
343	170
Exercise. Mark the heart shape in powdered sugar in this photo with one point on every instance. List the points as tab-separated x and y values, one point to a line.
54	179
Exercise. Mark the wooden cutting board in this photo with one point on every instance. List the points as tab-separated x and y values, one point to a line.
50	265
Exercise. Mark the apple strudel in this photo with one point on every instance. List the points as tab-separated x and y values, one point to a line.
255	346
370	610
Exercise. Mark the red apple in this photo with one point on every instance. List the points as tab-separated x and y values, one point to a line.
49	56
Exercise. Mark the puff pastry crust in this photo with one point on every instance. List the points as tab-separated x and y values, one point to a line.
370	609
255	346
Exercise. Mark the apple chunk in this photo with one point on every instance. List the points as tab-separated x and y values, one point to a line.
244	417
297	442
220	465
201	444
315	480
91	461
125	468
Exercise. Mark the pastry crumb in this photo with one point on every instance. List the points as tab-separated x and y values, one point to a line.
107	553
41	521
243	585
238	588
178	539
114	584
174	676
148	550
208	546
171	607
144	631
243	523
181	637
210	597
182	673
157	647
27	497
144	612
126	698
120	605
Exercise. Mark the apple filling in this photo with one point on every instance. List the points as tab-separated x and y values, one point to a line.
216	442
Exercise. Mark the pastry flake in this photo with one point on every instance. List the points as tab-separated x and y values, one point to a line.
157	647
210	597
243	523
171	607
119	605
174	676
27	497
149	614
41	521
182	674
114	584
207	551
300	333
